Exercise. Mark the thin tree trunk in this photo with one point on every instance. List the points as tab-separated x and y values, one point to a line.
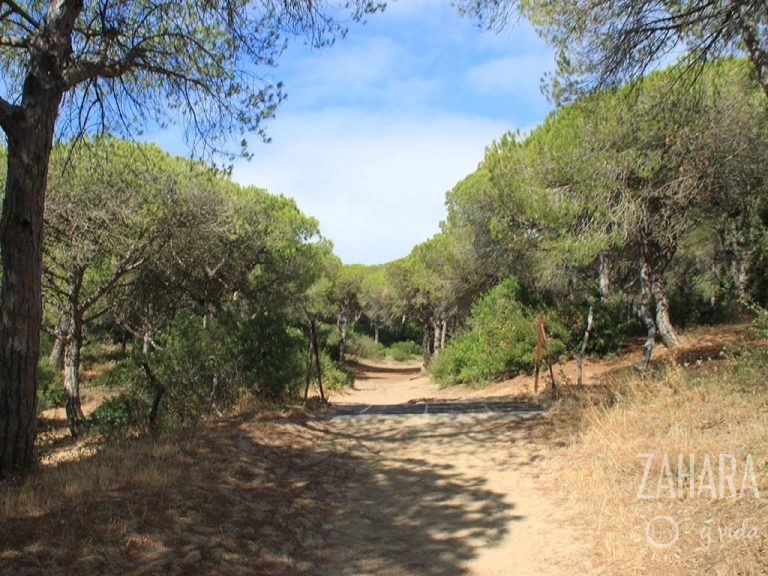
605	277
663	322
442	334
74	410
72	347
313	332
342	324
310	355
583	350
159	393
148	342
645	315
376	332
425	350
750	34
56	357
437	326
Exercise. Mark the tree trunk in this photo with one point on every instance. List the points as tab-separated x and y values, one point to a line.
663	323
316	348
29	130
751	36
442	334
342	324
583	350
56	357
438	327
645	315
148	342
74	410
425	349
736	255
72	346
605	277
376	332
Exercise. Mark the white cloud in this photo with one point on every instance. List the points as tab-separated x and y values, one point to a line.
518	75
376	182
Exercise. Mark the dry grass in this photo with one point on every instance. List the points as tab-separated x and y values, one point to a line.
700	408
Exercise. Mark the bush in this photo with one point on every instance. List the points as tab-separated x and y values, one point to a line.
336	376
50	387
611	325
402	351
363	346
126	411
501	340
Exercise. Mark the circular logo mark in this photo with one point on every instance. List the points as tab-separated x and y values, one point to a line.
661	519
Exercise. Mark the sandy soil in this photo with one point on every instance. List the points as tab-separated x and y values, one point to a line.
398	478
463	496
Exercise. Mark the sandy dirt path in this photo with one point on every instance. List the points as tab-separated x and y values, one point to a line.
456	487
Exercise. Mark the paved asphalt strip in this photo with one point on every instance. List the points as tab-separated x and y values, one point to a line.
444	407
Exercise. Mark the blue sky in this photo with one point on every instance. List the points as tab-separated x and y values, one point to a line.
377	128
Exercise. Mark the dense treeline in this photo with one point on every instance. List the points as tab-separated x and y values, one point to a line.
210	288
642	210
632	204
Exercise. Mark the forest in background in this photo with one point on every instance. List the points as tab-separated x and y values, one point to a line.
631	212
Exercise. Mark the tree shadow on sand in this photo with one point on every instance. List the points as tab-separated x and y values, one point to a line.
256	498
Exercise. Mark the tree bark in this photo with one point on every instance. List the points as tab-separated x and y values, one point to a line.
426	355
605	277
751	37
72	345
342	324
583	350
316	348
442	334
74	410
376	332
663	322
438	329
29	134
56	357
645	315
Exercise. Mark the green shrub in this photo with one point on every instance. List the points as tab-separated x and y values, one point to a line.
363	346
126	411
50	387
501	340
336	376
402	351
611	325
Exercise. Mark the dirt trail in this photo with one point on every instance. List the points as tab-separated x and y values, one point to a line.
398	479
457	490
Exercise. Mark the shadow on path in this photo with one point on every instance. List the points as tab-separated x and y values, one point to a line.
258	498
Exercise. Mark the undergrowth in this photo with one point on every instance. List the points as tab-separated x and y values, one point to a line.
638	467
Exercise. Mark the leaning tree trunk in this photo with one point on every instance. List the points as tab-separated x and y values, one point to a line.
29	130
750	34
663	322
56	357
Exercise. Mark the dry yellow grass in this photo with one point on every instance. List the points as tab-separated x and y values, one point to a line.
684	411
